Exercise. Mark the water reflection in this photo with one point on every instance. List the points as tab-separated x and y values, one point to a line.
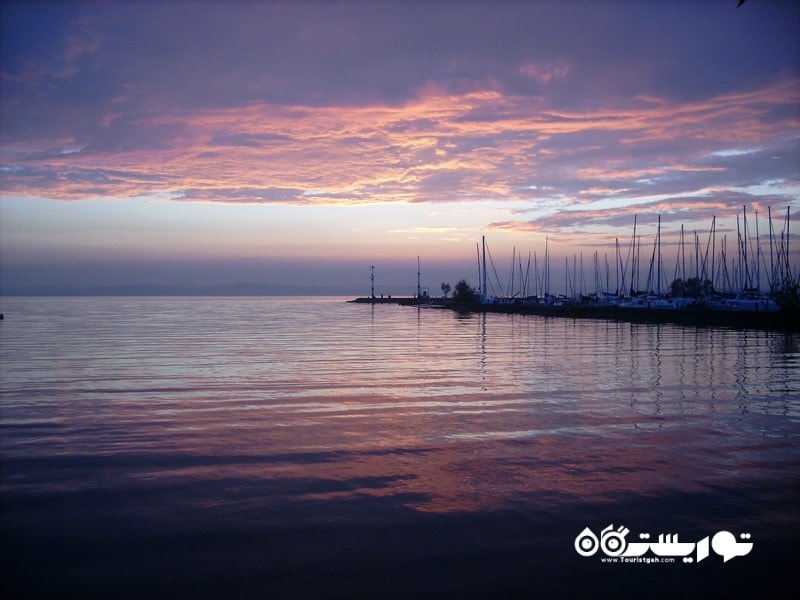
263	402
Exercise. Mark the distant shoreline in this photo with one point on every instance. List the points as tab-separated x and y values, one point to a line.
141	290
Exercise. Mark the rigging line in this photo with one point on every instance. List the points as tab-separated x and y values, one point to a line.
499	285
678	257
704	269
650	275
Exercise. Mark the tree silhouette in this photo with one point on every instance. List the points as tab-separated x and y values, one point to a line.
692	287
464	294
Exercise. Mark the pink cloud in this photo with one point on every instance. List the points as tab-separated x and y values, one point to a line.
439	147
546	72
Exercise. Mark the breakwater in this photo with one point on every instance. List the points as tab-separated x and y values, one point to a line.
774	321
783	320
402	300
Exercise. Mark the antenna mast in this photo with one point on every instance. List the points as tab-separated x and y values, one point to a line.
372	280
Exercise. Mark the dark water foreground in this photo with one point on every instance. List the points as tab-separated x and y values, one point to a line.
265	448
235	538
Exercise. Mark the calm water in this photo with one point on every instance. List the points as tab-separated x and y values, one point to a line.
273	447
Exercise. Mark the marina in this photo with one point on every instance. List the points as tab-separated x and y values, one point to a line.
390	300
753	287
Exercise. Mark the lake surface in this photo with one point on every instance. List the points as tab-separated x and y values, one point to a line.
308	447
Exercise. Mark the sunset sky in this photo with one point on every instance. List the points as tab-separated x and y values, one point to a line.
300	142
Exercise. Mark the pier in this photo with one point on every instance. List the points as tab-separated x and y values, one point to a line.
402	300
696	317
788	321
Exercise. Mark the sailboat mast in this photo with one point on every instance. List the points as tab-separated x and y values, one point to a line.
789	278
478	255
713	249
419	288
637	251
726	286
758	257
747	283
658	265
546	276
683	256
771	262
483	288
511	281
739	253
696	256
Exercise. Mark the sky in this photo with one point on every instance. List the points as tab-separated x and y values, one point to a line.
300	143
